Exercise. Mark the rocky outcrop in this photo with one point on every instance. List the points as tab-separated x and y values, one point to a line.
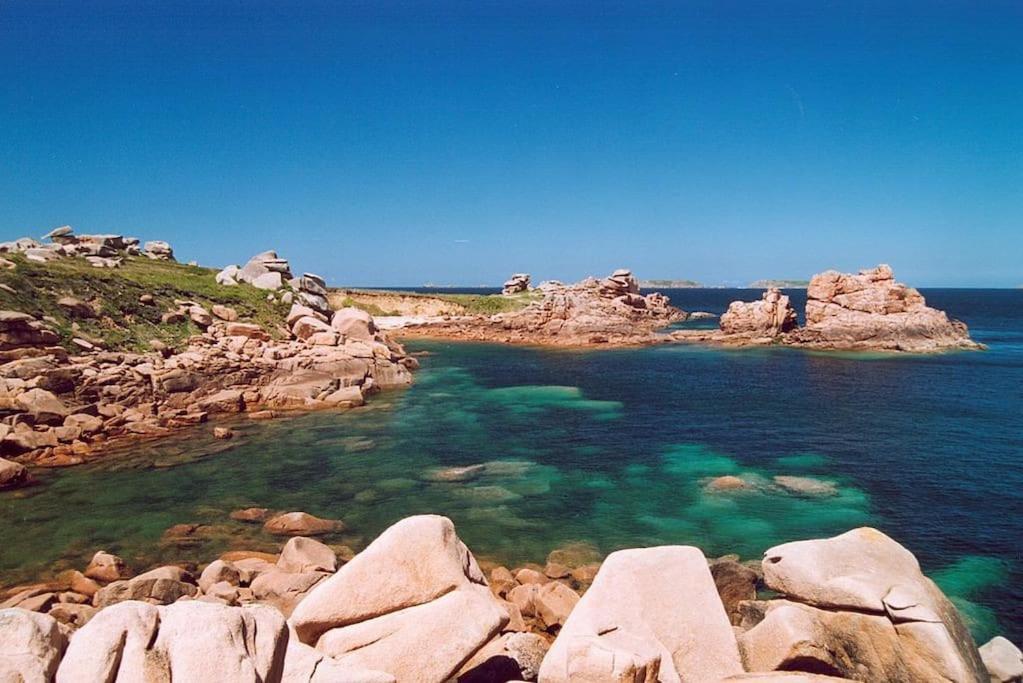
31	645
858	606
12	474
610	311
516	284
101	251
628	625
770	317
413	604
186	641
865	312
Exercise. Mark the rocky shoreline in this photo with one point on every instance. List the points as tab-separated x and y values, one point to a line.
415	605
64	407
868	311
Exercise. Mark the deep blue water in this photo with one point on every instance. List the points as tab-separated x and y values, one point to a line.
613	448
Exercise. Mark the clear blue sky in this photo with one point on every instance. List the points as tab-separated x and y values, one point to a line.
380	143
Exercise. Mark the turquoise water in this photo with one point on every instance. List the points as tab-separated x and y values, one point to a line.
612	448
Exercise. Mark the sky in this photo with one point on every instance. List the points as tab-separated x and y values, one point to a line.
382	143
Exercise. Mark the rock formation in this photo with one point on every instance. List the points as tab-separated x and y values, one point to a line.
873	311
865	312
609	311
772	316
101	251
517	283
857	606
415	606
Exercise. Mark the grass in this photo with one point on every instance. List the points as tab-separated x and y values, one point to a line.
123	322
372	309
489	304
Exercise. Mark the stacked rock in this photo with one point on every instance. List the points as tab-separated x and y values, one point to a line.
101	251
263	271
770	317
519	282
620	283
20	333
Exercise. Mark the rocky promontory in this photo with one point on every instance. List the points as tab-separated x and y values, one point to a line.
74	382
416	606
868	311
607	311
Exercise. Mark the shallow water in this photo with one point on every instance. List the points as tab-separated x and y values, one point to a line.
610	447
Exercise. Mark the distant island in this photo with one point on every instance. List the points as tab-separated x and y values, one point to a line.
781	284
670	284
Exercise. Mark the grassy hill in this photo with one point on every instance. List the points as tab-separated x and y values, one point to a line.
122	321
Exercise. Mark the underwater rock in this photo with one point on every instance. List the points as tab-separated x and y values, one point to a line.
455	474
808	486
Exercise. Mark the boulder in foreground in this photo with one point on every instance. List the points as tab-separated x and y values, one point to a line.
651	614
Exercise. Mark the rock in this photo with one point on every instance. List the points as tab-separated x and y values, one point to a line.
415	589
523	597
12	474
76	307
43	406
158	250
62	231
873	311
200	316
219	571
509	657
32	645
519	282
224	313
284	590
223	433
298	311
249	330
224	401
80	583
735	583
251	515
303	664
628	626
302	524
727	482
554	602
345	396
270	281
105	567
354	323
859	593
153	589
454	474
1003	660
307	326
301	554
769	317
73	614
807	486
527	576
186	641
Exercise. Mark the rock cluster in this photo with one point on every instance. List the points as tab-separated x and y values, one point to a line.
101	251
872	310
867	311
516	284
415	606
772	316
59	409
608	311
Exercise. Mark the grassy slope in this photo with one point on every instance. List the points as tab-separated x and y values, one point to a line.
123	322
474	304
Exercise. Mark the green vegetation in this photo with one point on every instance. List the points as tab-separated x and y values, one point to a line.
489	304
372	309
122	321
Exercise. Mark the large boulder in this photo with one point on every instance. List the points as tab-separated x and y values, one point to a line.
1003	660
354	323
517	283
12	474
651	614
302	524
769	317
304	664
30	646
43	406
301	554
873	311
186	641
858	606
414	604
158	250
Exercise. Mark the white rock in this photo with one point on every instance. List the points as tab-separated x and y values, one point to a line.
30	646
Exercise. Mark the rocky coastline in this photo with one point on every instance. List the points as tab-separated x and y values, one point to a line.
63	406
591	313
415	605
